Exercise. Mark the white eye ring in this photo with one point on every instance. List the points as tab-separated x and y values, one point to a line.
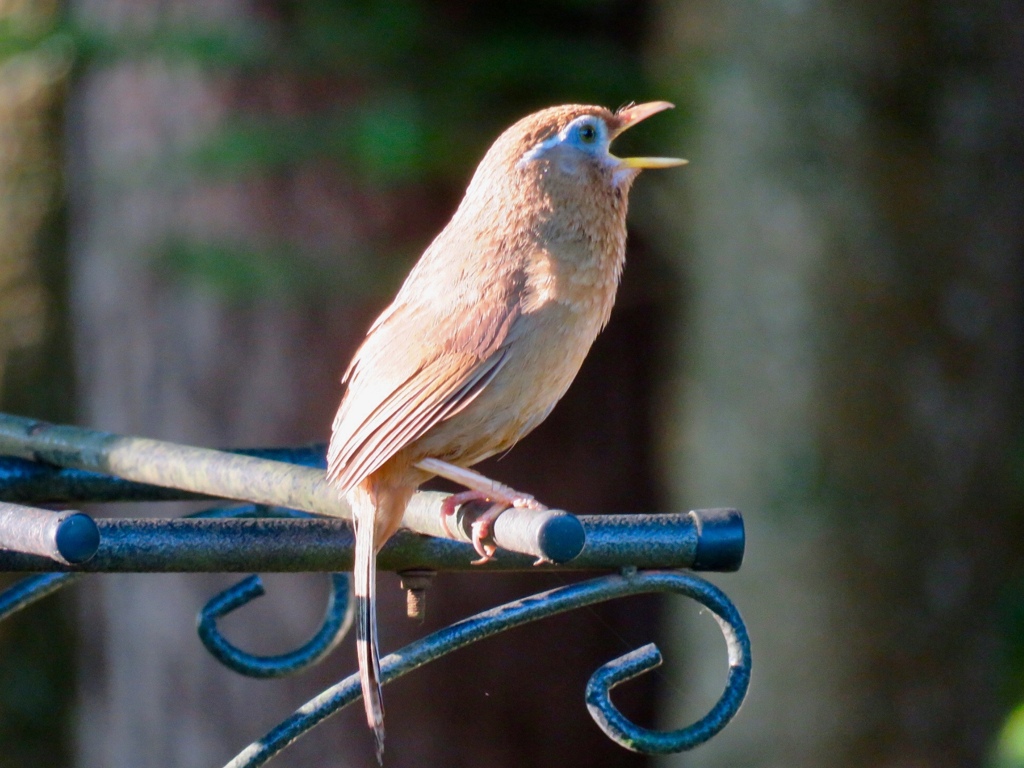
587	129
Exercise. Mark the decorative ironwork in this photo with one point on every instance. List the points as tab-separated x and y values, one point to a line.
275	531
540	606
336	623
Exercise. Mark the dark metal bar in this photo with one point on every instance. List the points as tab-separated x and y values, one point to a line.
554	536
67	537
720	539
701	539
317	544
529	609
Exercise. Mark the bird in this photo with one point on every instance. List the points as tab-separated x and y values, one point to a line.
484	336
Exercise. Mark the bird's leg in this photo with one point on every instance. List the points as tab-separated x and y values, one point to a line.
481	488
488	489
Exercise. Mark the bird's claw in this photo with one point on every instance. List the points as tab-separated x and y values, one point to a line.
482	531
486	550
453	502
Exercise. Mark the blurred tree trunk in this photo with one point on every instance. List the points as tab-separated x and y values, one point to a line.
31	87
174	359
852	365
36	691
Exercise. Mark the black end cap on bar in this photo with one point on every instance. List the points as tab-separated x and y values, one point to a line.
720	539
562	538
77	538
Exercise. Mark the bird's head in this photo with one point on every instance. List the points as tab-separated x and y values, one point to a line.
576	141
556	166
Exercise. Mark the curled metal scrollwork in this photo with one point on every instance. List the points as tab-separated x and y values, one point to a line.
337	620
539	606
337	616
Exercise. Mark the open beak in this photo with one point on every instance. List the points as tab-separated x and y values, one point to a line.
630	116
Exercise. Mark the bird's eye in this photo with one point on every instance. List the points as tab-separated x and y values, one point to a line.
588	133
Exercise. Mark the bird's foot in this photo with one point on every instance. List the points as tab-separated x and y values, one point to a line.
482	526
481	488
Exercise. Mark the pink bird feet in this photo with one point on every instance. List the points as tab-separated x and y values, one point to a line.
481	488
483	524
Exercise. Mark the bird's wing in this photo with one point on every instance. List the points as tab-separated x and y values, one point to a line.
414	370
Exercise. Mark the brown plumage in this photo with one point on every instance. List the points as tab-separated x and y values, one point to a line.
486	334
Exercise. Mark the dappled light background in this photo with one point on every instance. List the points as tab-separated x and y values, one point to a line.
203	205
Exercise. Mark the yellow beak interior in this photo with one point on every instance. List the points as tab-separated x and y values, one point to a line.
651	162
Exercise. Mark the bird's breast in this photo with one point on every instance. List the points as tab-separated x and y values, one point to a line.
579	272
564	309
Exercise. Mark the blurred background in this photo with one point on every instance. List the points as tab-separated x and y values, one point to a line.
204	204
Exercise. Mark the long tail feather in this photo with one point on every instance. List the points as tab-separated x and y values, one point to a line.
365	572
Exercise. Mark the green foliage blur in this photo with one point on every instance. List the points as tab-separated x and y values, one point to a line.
412	90
399	98
36	646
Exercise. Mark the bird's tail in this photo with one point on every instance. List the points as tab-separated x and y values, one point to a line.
365	573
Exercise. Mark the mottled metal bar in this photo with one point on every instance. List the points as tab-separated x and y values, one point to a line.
548	535
316	544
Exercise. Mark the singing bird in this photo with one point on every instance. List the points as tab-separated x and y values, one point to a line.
485	335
